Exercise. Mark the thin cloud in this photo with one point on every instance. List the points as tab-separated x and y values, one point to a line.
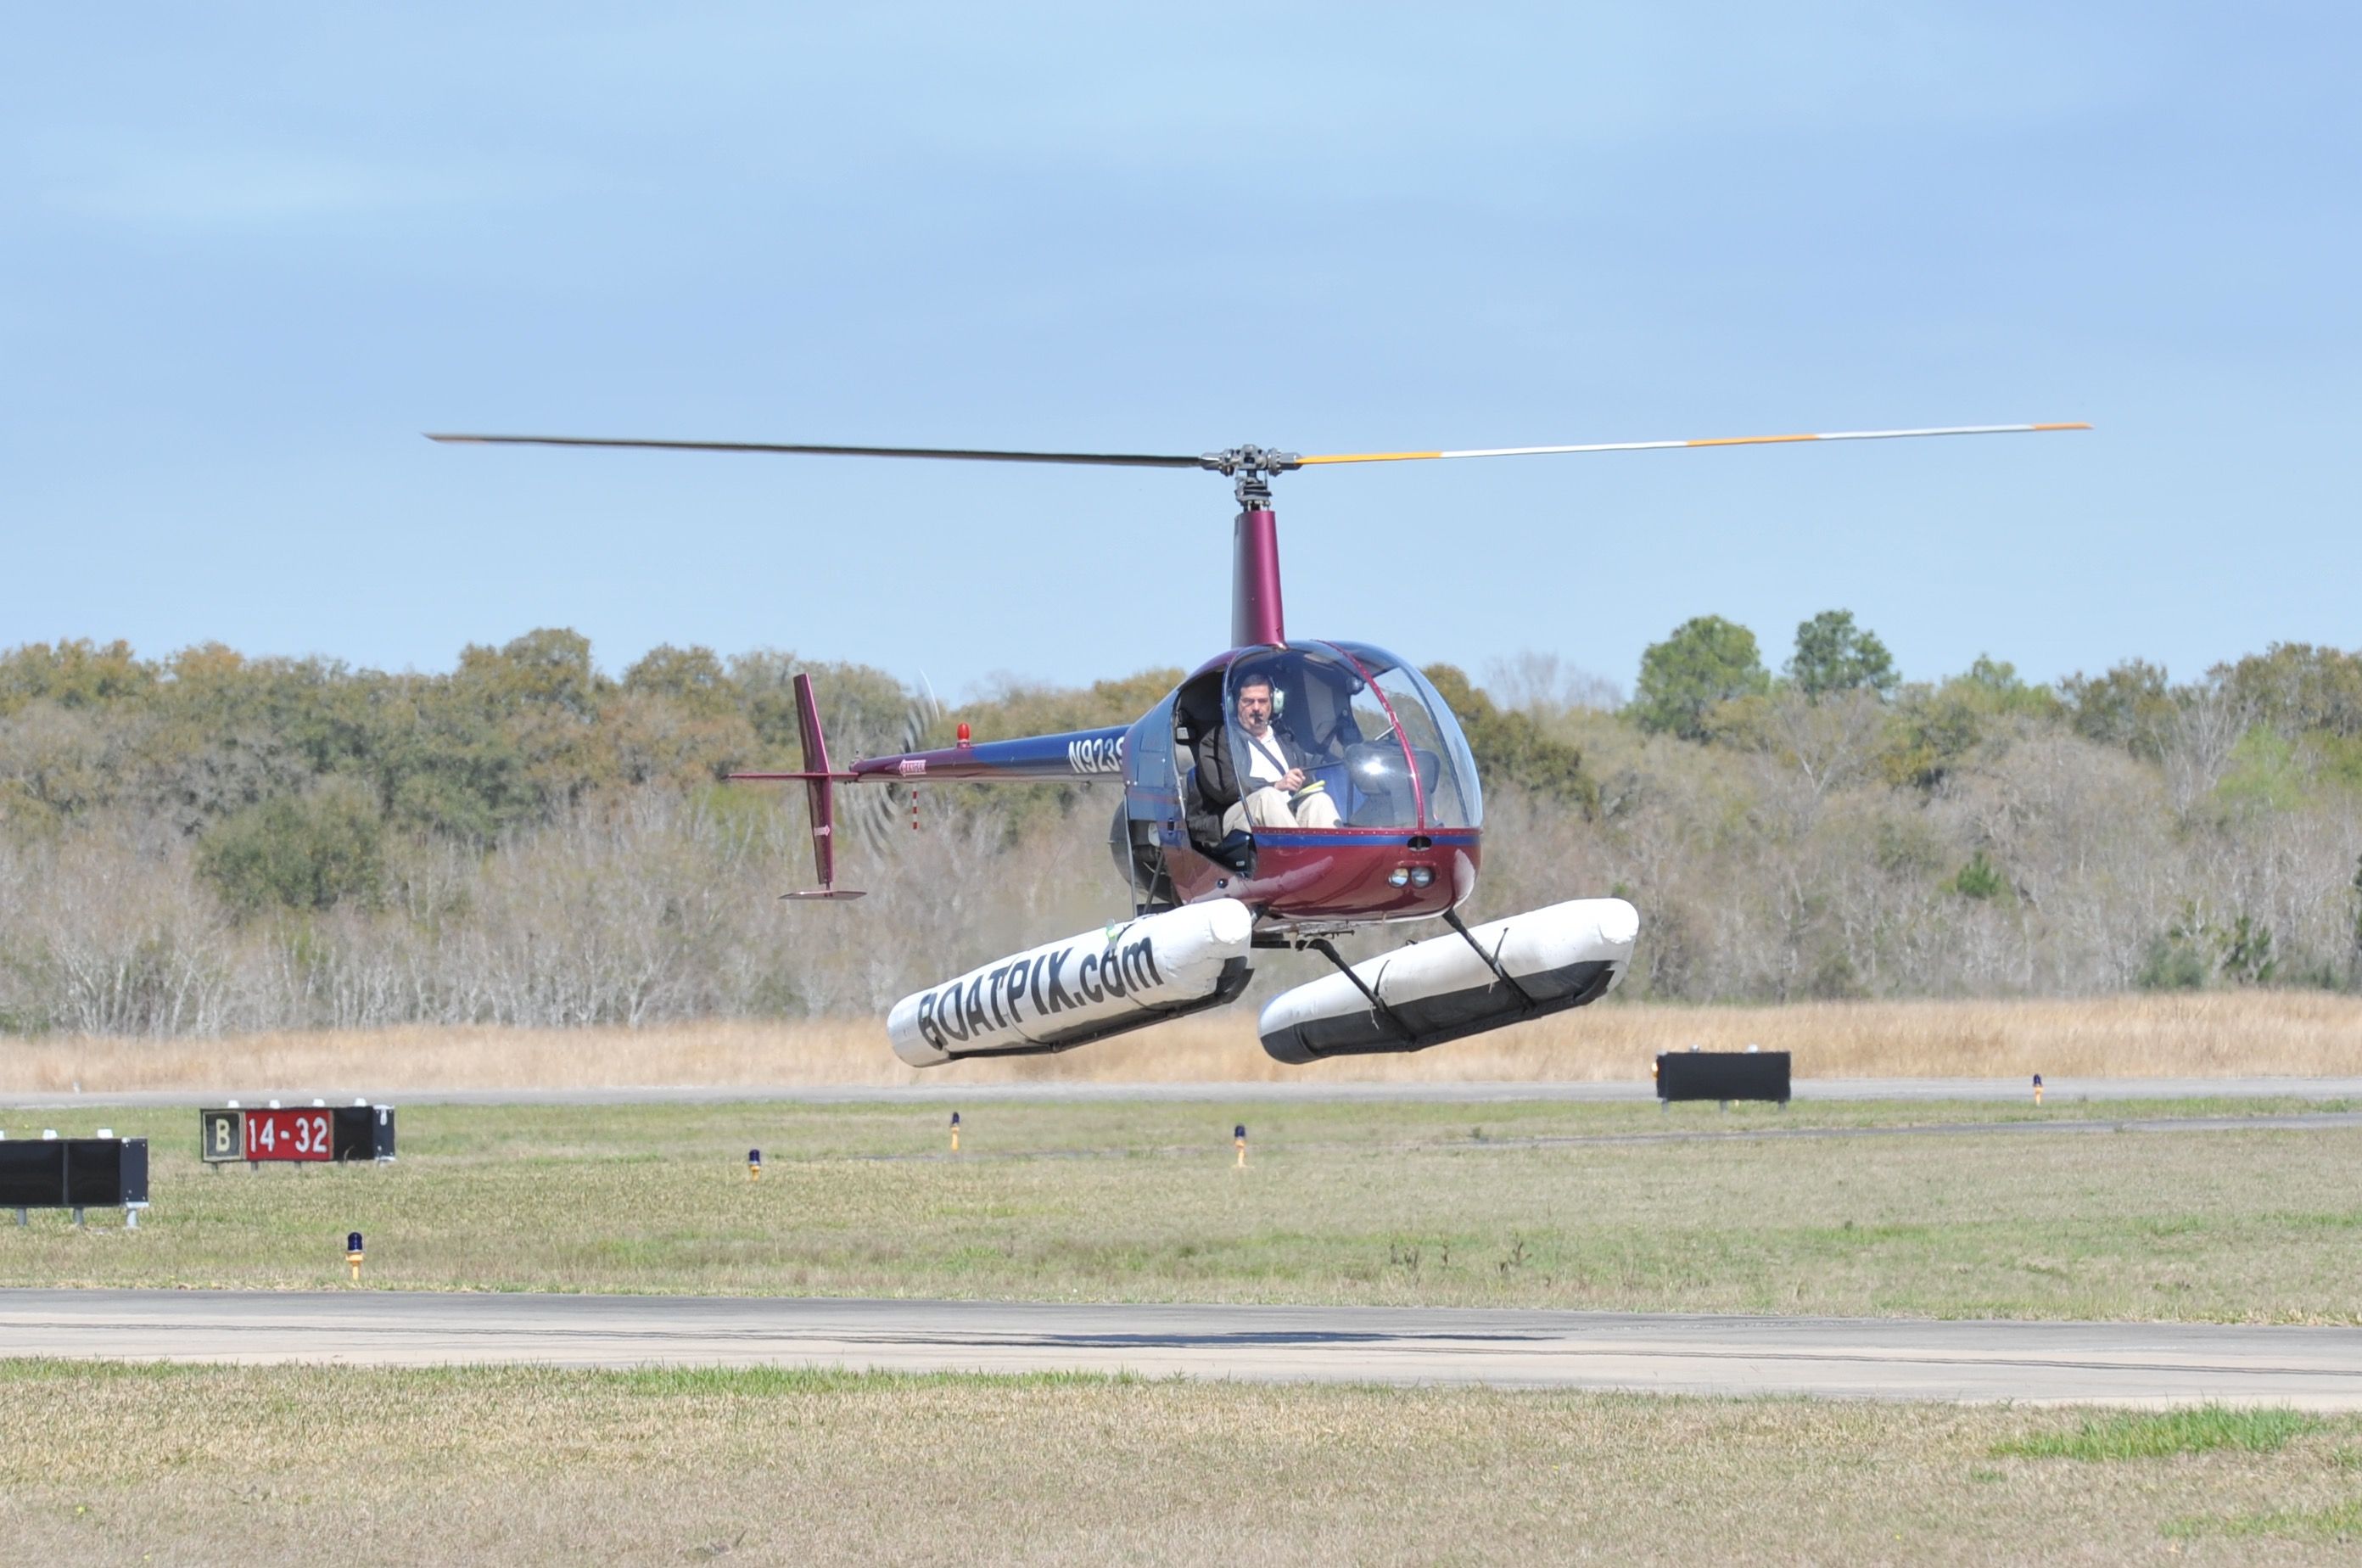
252	188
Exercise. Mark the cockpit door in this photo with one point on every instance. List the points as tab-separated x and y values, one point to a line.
1152	779
1428	748
1384	766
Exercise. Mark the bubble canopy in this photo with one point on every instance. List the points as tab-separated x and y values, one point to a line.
1366	728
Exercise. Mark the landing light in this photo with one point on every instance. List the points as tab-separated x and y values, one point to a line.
1399	877
1421	875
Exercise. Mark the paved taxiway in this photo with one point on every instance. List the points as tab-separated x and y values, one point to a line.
2060	1091
2135	1363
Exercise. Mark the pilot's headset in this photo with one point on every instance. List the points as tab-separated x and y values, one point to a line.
1278	692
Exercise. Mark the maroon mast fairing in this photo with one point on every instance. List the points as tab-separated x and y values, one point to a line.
1256	615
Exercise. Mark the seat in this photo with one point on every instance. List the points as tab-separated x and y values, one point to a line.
1234	850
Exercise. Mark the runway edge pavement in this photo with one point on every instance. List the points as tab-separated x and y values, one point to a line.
2060	1089
2147	1365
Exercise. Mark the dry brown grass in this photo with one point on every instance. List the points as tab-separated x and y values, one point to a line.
2210	1034
333	1465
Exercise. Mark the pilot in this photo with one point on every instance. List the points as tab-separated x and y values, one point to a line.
1278	790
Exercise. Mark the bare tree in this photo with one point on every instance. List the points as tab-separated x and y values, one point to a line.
1547	687
2208	723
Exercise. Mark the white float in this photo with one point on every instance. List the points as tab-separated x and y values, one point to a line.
1442	989
1084	988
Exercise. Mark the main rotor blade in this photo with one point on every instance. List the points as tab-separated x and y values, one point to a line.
1107	460
1710	441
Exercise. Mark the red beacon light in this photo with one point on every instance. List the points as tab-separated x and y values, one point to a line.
964	733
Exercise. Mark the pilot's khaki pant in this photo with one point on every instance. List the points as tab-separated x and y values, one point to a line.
1268	808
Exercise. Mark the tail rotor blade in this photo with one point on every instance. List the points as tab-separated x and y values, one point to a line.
918	722
884	811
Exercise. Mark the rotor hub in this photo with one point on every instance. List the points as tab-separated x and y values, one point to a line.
1254	468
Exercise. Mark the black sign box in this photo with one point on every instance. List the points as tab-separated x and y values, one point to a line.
1723	1075
363	1133
74	1173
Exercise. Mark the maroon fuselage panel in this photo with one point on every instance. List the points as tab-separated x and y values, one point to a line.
1338	874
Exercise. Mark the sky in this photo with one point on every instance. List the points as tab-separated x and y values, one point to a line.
249	253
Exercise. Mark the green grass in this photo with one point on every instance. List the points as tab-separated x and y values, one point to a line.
340	1466
1514	1204
783	1382
2143	1436
2339	1523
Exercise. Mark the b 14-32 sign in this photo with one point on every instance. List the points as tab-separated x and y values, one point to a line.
288	1135
302	1133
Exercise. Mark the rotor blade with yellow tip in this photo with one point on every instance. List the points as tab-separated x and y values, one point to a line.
1709	441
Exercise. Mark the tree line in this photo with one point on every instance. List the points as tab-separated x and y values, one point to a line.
209	841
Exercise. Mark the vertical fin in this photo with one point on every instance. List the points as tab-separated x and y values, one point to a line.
819	795
818	792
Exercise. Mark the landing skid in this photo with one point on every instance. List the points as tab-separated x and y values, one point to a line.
1449	987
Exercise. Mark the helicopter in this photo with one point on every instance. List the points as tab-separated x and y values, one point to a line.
1288	792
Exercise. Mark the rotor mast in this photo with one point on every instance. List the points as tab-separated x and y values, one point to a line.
1257	613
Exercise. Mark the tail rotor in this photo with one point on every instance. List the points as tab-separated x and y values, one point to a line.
879	816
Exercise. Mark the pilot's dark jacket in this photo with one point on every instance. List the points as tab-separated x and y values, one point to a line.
1218	781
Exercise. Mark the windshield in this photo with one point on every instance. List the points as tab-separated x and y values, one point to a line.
1345	735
